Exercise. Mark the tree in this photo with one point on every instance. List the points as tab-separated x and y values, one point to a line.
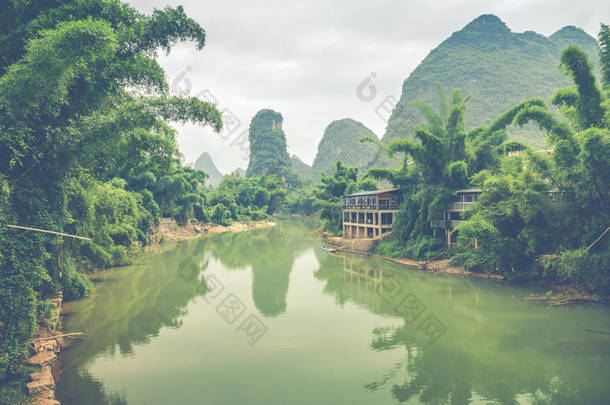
603	43
328	194
548	208
68	127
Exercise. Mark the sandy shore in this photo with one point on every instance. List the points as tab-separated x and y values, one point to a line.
169	230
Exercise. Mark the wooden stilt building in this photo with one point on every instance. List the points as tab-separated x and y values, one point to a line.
370	214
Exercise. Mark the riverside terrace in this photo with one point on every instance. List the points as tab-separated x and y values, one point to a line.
370	214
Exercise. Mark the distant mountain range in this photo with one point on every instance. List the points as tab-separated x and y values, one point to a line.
494	66
206	165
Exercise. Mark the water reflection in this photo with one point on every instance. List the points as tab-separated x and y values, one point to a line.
270	254
497	347
138	301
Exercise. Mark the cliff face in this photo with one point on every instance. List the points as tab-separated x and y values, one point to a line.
341	141
496	67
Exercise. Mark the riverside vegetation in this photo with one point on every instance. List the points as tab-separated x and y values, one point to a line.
86	149
522	234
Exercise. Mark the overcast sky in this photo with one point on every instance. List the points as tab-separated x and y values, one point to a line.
306	59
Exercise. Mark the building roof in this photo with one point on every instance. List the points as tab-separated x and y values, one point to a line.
468	190
374	192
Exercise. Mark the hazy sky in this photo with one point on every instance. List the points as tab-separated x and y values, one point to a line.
306	59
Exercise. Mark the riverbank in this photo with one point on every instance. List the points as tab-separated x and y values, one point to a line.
169	230
555	295
46	344
366	246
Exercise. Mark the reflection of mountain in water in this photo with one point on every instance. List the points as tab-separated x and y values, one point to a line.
145	298
270	254
497	347
491	350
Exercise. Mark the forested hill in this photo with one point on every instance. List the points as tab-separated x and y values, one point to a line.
341	141
206	165
496	67
303	169
268	154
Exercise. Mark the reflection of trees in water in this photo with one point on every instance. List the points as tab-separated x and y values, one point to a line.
130	311
149	297
84	389
271	253
486	352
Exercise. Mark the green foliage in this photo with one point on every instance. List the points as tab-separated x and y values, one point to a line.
15	394
603	43
75	285
537	212
573	266
300	201
327	195
79	153
239	199
441	163
587	102
487	236
514	214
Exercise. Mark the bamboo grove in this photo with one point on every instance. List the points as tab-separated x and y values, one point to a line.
86	149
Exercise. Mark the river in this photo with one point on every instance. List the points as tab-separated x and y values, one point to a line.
267	317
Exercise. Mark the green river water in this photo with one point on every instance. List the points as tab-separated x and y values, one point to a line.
268	317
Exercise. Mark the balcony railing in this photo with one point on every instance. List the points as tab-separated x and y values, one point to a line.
367	222
460	206
372	207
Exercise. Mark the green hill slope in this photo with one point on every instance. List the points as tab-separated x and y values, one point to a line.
302	169
341	141
496	67
206	165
